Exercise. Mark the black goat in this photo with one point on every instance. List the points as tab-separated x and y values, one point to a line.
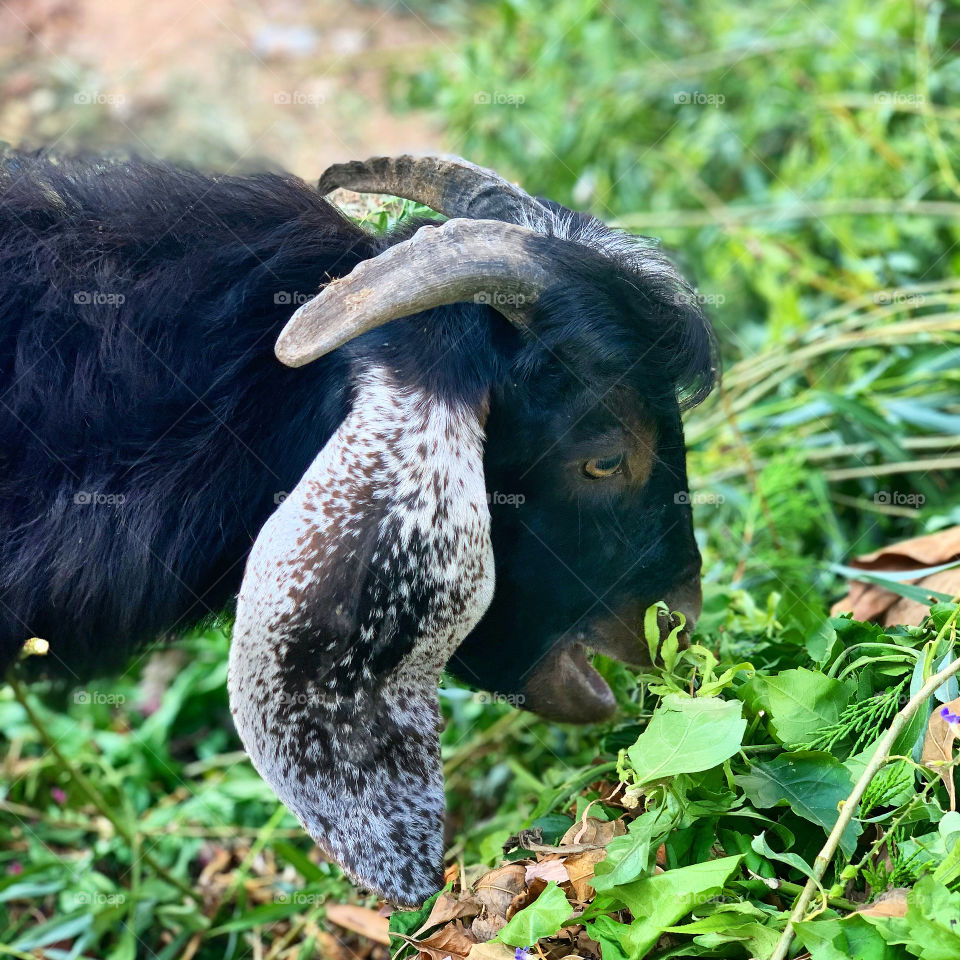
520	353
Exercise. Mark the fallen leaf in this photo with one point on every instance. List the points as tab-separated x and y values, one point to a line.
926	551
938	746
221	859
870	601
548	869
904	610
497	888
368	923
597	831
491	951
891	903
580	868
447	907
452	942
486	928
526	897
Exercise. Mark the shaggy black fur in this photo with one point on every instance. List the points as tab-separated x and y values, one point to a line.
147	431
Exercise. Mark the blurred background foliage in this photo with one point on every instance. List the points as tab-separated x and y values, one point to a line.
801	162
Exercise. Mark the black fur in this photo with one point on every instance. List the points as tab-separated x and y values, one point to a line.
139	307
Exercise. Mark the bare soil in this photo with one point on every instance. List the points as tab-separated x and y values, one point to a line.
216	83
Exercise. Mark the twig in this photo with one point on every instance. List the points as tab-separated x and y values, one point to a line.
880	757
565	849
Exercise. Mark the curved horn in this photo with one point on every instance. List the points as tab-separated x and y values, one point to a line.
487	261
454	187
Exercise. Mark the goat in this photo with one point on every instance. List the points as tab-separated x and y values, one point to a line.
520	351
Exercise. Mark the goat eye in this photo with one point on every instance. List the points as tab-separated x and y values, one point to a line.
599	467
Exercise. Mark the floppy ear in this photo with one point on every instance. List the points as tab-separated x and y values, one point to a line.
356	592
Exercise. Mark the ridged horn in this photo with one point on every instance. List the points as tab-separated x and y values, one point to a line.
486	261
449	185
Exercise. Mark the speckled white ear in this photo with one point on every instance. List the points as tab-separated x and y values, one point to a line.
357	591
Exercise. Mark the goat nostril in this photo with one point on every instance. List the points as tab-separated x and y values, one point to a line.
688	600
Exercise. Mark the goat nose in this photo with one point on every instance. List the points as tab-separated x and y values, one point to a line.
687	599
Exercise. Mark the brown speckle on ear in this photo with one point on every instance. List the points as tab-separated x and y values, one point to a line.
385	566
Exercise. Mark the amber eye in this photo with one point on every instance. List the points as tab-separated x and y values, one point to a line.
599	467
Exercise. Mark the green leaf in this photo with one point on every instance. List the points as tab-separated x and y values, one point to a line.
760	845
553	826
299	861
949	830
687	735
810	782
629	856
798	703
659	902
543	918
931	928
842	939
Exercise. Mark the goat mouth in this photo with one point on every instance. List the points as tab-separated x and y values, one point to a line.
566	687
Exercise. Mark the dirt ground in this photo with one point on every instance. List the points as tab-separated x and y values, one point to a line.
217	83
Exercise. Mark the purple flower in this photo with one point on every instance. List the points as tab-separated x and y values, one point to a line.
522	954
59	795
952	718
15	868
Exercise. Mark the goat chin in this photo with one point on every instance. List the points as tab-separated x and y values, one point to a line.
355	595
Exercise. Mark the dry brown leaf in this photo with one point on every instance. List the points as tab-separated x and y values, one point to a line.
497	888
550	868
938	747
926	551
221	859
869	601
597	831
452	941
491	951
891	903
904	610
580	868
486	928
526	897
368	923
447	907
